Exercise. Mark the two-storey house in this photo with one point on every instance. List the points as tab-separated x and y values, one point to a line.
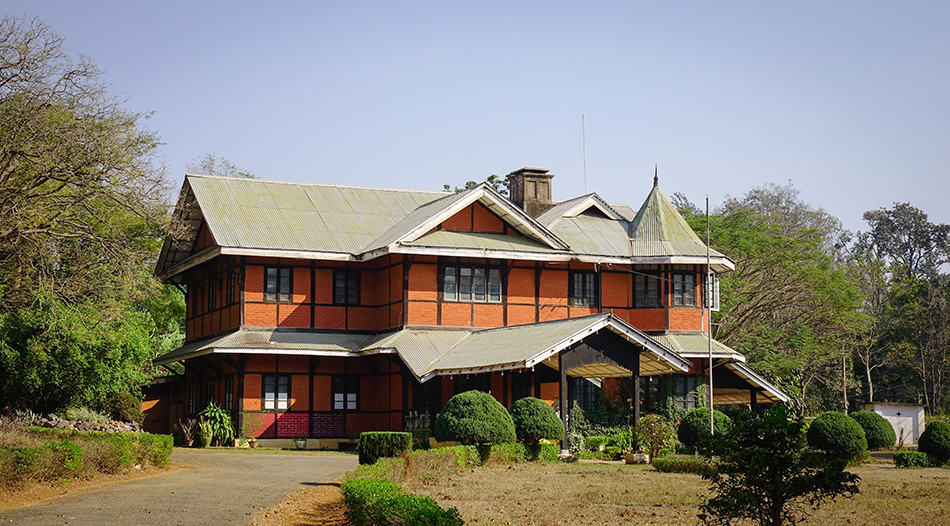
322	311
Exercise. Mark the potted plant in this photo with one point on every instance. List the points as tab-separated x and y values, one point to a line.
301	442
187	429
205	433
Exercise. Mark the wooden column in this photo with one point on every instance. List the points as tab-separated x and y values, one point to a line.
636	389
563	396
754	401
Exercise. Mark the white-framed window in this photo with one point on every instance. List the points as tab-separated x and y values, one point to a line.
713	291
276	392
684	289
469	283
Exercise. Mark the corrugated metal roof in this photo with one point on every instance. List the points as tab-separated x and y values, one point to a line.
412	220
418	348
269	341
593	234
660	230
251	213
479	241
695	344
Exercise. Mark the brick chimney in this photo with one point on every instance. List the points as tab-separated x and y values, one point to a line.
530	188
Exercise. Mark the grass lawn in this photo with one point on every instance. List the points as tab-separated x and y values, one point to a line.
582	493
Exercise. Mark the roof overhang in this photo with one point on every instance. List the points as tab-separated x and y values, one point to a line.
764	388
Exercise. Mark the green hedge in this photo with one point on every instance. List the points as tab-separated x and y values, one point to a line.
378	444
838	436
535	420
594	443
911	459
698	466
371	501
935	442
420	438
878	431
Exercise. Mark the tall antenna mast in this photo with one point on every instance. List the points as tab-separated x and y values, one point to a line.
709	291
584	147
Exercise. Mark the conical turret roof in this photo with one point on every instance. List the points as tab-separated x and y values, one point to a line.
659	230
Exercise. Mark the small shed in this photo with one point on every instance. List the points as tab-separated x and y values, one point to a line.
906	419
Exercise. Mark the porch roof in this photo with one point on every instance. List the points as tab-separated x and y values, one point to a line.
695	345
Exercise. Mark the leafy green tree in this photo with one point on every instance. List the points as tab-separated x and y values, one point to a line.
498	183
213	164
766	473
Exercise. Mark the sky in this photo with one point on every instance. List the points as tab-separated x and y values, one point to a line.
847	100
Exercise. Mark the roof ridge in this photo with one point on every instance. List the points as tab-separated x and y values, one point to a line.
297	183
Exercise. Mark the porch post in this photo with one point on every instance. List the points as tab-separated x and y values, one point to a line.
563	395
636	389
753	401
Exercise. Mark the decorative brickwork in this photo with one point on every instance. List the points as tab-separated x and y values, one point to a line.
327	424
291	425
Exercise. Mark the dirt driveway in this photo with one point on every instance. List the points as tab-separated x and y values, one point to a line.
219	488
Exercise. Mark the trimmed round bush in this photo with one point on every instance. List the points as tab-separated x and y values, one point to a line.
837	435
935	441
878	431
694	427
535	420
472	418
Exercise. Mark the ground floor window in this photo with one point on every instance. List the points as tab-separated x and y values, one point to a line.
583	392
192	399
346	391
276	392
229	392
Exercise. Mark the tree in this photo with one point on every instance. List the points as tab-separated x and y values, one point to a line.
498	183
82	213
212	164
790	305
767	474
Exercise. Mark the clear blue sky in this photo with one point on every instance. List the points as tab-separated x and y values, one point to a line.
848	100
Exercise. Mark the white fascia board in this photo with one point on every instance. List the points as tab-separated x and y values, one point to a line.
476	194
194	260
743	370
479	253
291	254
722	262
738	357
595	201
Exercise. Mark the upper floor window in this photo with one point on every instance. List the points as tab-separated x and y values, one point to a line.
646	290
212	294
471	283
684	289
277	283
276	392
229	288
583	291
346	287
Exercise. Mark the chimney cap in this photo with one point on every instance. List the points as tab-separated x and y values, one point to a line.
532	171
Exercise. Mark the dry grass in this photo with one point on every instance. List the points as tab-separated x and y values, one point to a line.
549	494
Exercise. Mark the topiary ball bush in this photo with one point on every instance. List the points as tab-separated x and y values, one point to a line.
535	420
935	441
838	436
694	427
472	418
877	430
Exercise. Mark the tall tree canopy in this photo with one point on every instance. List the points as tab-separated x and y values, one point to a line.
82	212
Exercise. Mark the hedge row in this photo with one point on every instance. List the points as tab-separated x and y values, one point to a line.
67	454
379	444
698	466
911	459
372	501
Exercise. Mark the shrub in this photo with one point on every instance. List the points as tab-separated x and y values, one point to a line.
910	459
371	501
222	429
612	452
621	439
474	417
125	407
575	442
878	431
535	420
84	414
694	428
765	472
377	444
935	442
837	436
697	466
655	434
18	464
205	433
595	443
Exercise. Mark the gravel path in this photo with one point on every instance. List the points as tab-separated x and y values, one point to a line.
219	488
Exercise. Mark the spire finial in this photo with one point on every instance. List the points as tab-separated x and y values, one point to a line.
656	179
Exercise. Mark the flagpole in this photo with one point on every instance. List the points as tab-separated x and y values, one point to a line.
709	292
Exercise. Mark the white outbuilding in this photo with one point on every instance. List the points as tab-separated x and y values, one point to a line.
906	419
